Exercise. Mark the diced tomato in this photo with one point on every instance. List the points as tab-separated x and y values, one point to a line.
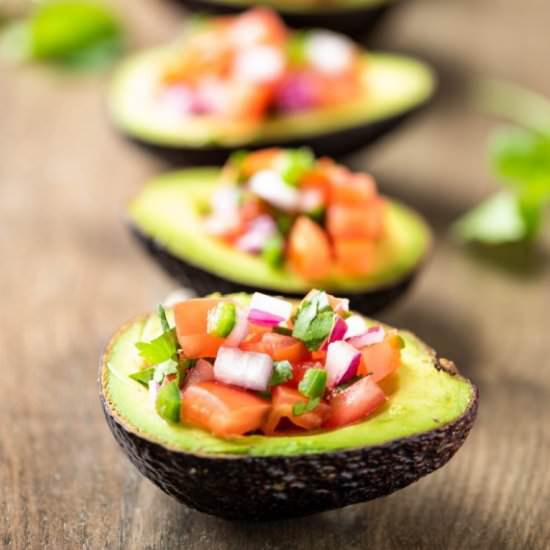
249	100
355	256
194	346
356	222
203	371
258	26
316	180
259	160
281	347
250	209
339	90
223	410
278	346
204	56
381	359
309	249
352	189
247	212
319	355
358	401
284	398
299	371
191	316
191	319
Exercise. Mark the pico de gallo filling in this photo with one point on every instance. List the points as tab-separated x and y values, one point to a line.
313	216
267	365
250	66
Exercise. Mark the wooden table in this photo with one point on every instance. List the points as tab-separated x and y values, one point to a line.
70	275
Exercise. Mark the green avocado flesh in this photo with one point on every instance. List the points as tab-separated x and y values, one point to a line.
299	6
394	85
169	210
425	399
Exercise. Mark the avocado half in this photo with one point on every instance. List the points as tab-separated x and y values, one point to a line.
166	219
256	477
352	17
398	86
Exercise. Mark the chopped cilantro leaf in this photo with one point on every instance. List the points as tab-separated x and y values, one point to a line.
143	376
282	372
160	349
305	407
314	320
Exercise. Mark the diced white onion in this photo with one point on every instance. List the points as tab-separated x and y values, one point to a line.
310	200
255	238
356	326
246	369
342	362
329	52
272	306
240	330
270	186
259	64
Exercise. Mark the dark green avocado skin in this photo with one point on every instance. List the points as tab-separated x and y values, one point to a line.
335	144
277	487
204	282
356	23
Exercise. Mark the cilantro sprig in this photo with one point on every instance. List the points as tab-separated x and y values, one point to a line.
314	320
160	355
163	347
520	158
312	386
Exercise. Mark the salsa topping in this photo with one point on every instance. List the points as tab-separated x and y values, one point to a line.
234	367
250	66
311	216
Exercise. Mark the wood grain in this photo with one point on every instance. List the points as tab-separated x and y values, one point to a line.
69	275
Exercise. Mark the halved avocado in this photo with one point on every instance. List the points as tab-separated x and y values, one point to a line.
397	87
166	218
427	418
352	17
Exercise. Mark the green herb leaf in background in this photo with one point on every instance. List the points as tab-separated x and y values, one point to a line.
77	34
495	220
520	158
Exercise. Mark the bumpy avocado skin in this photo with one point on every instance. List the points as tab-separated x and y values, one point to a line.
277	487
335	144
355	22
204	282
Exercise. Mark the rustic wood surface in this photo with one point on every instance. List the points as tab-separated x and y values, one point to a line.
70	275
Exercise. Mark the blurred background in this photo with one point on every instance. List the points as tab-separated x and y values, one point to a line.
70	274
